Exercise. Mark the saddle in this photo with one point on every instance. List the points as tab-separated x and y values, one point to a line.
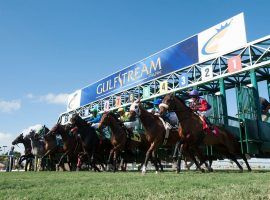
168	127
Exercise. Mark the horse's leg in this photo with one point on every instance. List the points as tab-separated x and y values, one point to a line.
21	159
233	158
26	164
60	163
93	161
35	163
176	150
155	161
109	159
159	163
247	164
114	161
195	160
202	159
179	157
148	153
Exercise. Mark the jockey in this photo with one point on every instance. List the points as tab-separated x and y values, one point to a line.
265	107
169	117
155	109
124	116
199	104
95	118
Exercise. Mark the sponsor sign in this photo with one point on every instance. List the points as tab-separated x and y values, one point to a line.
171	59
222	38
74	100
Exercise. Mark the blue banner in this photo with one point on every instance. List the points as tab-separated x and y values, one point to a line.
171	59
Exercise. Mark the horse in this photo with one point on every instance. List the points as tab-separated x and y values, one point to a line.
52	148
89	138
72	145
38	147
120	140
155	132
192	132
28	156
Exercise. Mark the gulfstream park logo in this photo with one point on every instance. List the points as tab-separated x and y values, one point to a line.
213	44
135	74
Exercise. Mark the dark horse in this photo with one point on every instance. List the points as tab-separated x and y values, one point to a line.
191	131
120	140
155	132
28	156
72	145
89	137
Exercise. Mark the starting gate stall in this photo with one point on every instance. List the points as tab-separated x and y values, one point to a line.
213	61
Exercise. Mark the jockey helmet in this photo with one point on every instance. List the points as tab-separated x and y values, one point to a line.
157	101
121	110
94	110
194	93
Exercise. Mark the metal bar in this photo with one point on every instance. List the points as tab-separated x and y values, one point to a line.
223	100
256	94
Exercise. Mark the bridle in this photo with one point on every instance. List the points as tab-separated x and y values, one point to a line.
166	106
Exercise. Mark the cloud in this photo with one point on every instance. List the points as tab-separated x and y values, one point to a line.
51	98
9	106
30	96
34	127
55	98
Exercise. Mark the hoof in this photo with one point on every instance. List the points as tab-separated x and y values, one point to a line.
143	170
210	169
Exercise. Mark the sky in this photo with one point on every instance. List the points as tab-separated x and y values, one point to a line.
50	48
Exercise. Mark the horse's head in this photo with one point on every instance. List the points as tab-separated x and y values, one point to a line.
18	139
105	120
135	109
167	104
33	135
76	120
56	130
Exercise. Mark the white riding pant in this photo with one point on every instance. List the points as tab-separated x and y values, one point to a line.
206	113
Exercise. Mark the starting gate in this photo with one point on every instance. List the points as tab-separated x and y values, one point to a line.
240	68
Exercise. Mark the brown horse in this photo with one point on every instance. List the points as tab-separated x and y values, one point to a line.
191	131
154	130
120	140
72	145
52	148
118	137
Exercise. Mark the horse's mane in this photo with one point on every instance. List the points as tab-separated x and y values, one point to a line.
46	129
81	120
183	102
114	116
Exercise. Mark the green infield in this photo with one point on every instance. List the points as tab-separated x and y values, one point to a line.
132	185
